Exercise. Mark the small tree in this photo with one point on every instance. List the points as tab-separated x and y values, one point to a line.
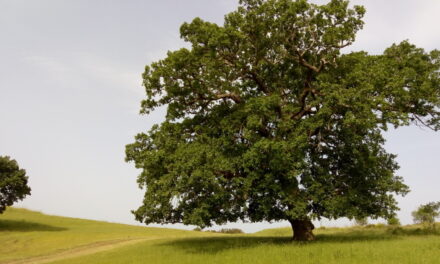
393	221
13	183
426	214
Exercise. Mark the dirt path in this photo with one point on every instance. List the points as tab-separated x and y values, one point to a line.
80	251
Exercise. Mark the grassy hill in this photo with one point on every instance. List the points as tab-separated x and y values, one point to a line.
31	237
25	234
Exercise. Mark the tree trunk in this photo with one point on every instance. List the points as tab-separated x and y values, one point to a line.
302	230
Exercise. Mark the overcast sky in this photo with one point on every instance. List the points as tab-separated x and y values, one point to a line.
70	90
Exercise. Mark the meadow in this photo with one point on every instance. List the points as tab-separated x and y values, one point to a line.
31	237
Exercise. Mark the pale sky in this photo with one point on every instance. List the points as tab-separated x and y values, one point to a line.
70	90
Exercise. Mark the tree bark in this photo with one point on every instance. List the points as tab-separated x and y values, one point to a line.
302	230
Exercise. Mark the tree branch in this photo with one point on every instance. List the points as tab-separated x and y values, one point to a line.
257	80
234	97
423	122
306	64
245	72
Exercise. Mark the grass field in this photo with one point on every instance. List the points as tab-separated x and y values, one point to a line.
26	234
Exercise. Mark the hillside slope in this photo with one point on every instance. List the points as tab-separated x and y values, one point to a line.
31	237
366	245
25	234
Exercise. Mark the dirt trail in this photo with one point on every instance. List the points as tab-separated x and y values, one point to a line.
80	251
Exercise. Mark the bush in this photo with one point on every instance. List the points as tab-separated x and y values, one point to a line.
397	231
361	221
393	221
231	231
375	225
225	231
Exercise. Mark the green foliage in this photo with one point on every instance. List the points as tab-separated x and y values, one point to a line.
267	120
13	183
393	221
427	213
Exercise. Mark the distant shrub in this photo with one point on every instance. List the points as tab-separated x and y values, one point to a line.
418	231
397	231
375	225
231	231
393	221
361	221
197	229
226	231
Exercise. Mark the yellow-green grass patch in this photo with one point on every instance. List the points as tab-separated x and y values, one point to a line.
25	233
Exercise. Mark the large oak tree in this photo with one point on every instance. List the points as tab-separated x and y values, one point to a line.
268	120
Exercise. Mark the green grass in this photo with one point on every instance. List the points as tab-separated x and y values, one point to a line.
25	233
333	245
350	245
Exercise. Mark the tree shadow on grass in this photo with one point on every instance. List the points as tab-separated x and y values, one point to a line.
24	226
399	231
213	245
353	236
366	234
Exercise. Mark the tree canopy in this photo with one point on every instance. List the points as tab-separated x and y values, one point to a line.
427	213
13	183
268	120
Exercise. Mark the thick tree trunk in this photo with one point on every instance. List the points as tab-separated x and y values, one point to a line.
302	230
